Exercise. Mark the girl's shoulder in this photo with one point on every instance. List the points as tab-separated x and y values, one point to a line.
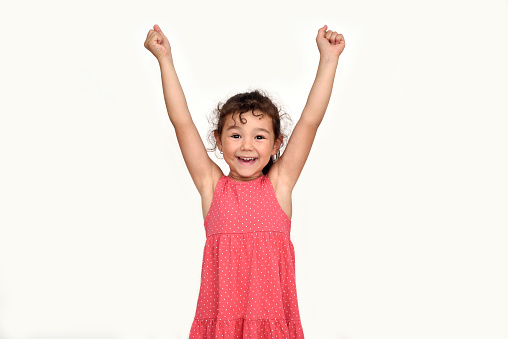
216	175
282	192
277	180
208	189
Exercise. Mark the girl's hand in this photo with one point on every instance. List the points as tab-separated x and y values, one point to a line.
330	44
157	43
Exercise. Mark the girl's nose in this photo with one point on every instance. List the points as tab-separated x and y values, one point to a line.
246	145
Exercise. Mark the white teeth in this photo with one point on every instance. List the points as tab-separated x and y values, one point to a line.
247	158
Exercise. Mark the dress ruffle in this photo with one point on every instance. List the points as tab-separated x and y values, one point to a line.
246	329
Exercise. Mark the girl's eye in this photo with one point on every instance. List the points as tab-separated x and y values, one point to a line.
260	136
235	136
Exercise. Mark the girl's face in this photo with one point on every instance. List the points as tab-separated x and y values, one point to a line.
247	148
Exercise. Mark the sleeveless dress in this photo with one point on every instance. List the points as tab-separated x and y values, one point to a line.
248	288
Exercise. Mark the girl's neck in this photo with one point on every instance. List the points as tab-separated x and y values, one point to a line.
236	177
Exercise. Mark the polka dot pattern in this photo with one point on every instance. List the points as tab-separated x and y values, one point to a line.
248	285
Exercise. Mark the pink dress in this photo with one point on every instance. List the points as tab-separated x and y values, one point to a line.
248	288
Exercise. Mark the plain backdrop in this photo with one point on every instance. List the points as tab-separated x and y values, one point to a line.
400	222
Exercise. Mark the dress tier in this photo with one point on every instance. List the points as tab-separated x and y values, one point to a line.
248	288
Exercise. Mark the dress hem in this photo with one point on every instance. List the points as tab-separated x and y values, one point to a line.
241	328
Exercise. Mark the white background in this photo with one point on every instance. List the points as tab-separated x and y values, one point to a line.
399	216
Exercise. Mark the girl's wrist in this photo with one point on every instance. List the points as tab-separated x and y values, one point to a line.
328	59
328	63
165	59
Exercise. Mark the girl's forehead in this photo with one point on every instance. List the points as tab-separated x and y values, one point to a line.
247	120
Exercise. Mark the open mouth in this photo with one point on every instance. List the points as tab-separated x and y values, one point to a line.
246	161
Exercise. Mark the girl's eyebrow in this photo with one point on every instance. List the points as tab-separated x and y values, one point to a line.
257	128
262	130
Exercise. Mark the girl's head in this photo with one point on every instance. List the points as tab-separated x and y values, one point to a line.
248	125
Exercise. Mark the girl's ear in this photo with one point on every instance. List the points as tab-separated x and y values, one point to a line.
276	144
217	140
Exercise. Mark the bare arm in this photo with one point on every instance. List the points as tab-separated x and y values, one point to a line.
176	104
291	163
194	153
196	158
320	93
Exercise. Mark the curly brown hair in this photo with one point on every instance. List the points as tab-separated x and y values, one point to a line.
257	100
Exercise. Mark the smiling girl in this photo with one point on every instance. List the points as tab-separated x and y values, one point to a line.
248	287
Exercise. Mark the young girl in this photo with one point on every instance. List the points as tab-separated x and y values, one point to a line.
248	285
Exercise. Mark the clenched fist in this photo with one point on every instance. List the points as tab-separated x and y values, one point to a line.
157	43
330	43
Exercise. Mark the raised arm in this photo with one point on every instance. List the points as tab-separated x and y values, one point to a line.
290	164
199	164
